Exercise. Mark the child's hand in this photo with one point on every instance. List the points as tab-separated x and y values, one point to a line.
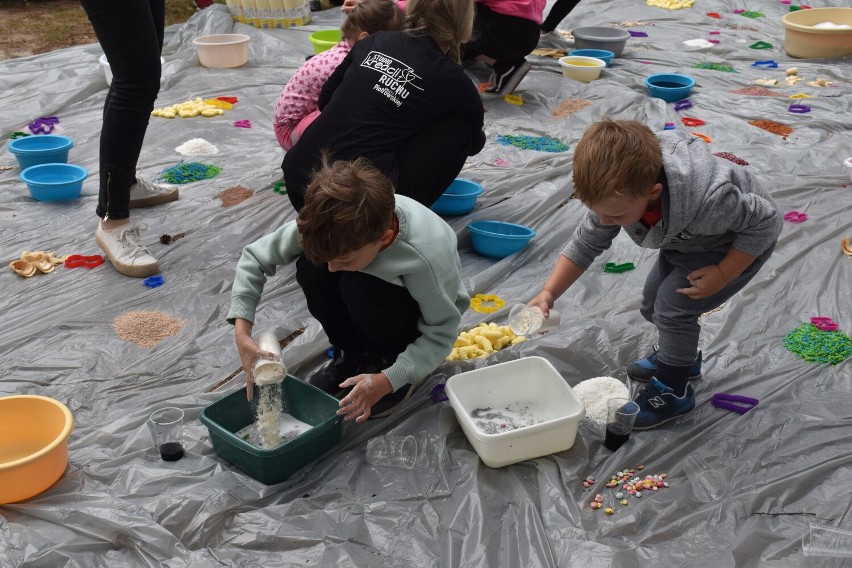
367	392
544	301
705	282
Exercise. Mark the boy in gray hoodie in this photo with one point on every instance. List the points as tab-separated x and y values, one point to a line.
715	227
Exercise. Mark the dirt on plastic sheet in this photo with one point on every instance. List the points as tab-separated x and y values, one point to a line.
146	329
234	195
773	127
570	106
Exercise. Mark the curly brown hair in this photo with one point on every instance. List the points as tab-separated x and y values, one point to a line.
616	158
348	205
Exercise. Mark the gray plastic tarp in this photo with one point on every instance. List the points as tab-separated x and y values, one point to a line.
119	505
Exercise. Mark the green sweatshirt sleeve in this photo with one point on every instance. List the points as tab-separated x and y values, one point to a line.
258	262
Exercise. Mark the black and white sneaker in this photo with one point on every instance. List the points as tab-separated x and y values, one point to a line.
507	77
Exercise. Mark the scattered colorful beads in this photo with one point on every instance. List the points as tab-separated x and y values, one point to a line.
539	143
715	67
815	346
631	484
189	172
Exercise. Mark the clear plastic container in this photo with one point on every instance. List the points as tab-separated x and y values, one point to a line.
269	371
421	450
525	320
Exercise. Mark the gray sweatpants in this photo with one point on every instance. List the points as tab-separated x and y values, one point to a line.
675	315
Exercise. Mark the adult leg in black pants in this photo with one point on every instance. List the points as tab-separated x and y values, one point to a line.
559	12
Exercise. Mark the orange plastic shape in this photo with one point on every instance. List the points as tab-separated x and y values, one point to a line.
34	433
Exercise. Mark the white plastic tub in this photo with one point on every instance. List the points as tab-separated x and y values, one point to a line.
529	380
222	50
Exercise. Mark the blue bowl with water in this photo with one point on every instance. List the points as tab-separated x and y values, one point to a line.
54	182
459	198
671	87
41	149
603	54
497	239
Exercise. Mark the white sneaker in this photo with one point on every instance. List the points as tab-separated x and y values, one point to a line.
125	251
145	194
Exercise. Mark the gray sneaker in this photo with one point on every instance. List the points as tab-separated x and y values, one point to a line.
146	194
125	251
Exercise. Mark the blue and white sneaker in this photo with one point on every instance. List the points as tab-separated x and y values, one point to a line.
658	404
643	369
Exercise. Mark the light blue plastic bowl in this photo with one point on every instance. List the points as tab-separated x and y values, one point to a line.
497	239
54	182
41	149
670	87
459	198
603	54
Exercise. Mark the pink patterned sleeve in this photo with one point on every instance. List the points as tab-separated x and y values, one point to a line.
299	97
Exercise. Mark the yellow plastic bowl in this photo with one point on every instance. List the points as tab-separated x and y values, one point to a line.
34	433
324	39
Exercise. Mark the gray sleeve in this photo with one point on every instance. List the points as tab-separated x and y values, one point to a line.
752	218
590	239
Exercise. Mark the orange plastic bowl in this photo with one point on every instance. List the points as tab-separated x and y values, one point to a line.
34	433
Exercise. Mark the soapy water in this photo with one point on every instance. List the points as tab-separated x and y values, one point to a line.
498	420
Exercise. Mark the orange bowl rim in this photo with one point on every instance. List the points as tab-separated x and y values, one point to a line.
59	440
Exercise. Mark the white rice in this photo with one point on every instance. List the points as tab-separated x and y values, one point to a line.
197	147
595	392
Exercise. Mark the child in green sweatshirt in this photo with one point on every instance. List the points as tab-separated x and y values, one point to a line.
380	272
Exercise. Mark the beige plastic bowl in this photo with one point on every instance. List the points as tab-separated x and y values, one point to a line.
582	68
222	50
804	41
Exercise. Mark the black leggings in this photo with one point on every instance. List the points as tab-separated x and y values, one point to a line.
359	312
131	34
560	10
425	165
506	39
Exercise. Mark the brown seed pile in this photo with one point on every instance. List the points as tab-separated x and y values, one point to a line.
756	92
773	127
234	195
570	106
146	329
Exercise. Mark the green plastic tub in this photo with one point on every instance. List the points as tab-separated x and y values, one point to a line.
305	402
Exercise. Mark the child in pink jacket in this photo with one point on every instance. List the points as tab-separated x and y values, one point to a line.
297	105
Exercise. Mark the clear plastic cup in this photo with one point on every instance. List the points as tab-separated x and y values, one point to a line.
524	319
848	164
621	413
166	426
707	484
392	451
824	540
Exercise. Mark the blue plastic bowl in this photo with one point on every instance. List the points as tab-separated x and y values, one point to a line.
41	149
459	198
596	53
669	87
54	182
496	239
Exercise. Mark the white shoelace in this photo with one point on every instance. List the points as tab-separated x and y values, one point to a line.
128	237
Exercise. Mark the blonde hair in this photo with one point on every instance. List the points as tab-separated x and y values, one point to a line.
347	205
372	16
449	22
616	158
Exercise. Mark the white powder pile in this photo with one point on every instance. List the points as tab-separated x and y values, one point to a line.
595	392
273	426
197	147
